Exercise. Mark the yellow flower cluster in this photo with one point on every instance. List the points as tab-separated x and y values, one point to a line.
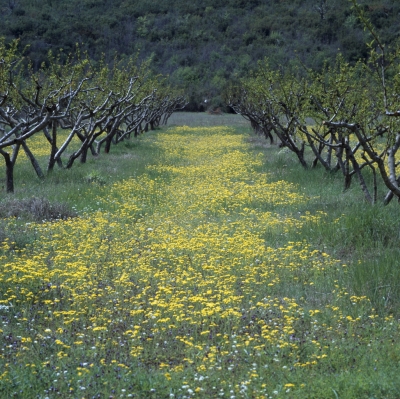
180	272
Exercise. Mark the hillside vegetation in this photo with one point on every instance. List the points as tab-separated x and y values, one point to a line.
201	44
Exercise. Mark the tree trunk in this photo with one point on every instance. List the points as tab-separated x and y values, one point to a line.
54	149
33	160
108	145
361	179
83	157
10	162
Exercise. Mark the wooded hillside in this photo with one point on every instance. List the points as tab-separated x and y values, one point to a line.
200	44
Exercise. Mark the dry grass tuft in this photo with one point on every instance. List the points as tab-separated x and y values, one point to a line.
36	209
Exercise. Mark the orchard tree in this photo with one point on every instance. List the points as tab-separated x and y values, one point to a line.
345	117
96	104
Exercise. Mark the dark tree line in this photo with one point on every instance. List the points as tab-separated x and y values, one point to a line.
203	44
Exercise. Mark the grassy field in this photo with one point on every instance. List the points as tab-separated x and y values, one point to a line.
198	262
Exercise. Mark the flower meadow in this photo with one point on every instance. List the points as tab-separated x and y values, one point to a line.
190	280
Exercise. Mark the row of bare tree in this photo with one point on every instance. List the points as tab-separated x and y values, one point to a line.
345	118
100	105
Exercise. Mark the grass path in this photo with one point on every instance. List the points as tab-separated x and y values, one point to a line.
186	283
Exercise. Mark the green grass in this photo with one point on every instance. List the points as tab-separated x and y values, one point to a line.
204	263
195	119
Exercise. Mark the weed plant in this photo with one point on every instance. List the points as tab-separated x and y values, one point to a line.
203	264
